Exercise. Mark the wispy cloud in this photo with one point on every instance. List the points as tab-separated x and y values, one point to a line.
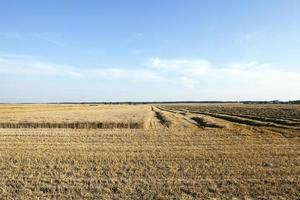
184	67
243	79
46	38
204	80
50	39
252	36
199	69
22	65
131	74
135	37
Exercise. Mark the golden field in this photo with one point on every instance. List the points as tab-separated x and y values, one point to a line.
222	151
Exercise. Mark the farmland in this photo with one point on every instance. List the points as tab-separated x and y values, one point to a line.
180	151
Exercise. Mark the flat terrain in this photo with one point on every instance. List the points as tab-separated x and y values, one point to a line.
176	152
72	116
72	113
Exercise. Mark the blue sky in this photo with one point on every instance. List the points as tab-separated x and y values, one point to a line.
139	50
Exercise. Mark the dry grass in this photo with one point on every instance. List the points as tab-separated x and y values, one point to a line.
73	113
184	161
73	116
205	123
74	125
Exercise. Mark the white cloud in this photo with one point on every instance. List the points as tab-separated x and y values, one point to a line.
195	79
133	74
181	66
30	66
250	80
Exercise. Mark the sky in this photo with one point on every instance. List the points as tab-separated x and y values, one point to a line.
158	50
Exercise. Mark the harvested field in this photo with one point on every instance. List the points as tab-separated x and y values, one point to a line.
285	112
281	116
73	116
179	152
